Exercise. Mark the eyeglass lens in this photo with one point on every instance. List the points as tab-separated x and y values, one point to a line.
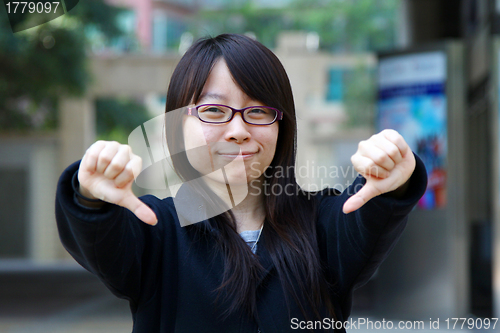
220	114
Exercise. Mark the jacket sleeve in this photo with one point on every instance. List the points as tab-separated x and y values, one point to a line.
353	245
109	241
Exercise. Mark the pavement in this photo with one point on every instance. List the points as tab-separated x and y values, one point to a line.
106	314
57	299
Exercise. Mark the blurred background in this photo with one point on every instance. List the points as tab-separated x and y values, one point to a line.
427	68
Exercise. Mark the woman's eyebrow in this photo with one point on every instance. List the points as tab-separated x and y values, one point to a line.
212	96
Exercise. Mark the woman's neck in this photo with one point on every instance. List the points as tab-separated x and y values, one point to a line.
250	213
249	209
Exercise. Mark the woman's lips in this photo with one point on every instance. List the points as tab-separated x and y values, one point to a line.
244	155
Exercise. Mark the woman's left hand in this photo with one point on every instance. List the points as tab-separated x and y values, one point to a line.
386	161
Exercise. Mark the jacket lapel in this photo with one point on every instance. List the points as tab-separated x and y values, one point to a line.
264	258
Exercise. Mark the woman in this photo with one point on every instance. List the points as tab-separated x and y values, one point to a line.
306	251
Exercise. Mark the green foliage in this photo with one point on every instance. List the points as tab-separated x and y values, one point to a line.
265	23
357	25
99	15
117	118
40	64
342	25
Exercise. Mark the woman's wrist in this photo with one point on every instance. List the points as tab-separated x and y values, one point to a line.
86	193
400	191
83	196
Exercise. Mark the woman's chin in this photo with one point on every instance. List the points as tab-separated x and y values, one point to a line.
228	179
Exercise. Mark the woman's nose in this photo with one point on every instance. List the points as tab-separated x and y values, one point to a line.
237	130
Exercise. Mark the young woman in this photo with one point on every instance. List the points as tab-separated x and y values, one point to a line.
272	263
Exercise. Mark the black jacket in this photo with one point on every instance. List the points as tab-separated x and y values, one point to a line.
168	277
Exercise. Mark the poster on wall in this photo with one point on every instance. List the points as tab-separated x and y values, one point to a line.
412	101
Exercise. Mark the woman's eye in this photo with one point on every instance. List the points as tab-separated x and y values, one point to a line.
258	111
213	113
212	109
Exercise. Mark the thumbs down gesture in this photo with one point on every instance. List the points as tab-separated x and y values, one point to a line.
386	162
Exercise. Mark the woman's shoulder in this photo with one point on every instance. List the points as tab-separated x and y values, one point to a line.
175	211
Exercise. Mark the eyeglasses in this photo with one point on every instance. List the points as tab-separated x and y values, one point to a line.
219	114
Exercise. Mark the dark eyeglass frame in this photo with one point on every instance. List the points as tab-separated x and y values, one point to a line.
193	111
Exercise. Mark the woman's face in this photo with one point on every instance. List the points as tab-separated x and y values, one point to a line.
219	145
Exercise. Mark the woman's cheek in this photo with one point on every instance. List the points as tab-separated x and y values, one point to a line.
195	143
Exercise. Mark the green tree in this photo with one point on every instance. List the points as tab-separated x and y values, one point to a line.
116	118
265	23
342	25
39	65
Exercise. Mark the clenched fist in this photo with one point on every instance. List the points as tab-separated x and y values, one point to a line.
107	171
386	161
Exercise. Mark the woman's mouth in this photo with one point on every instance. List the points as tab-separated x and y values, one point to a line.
233	155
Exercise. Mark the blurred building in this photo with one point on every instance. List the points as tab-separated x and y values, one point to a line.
157	24
471	251
161	26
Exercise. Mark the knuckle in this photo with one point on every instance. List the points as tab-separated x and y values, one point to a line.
393	152
357	162
380	159
93	148
113	145
105	157
132	157
401	142
98	143
392	135
393	132
92	154
371	167
126	150
379	173
128	171
389	131
115	165
136	161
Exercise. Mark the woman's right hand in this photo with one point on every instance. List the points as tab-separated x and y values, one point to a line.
107	172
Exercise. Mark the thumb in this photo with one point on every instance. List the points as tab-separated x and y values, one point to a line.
139	208
367	192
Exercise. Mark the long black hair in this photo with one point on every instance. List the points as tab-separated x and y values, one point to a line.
289	228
